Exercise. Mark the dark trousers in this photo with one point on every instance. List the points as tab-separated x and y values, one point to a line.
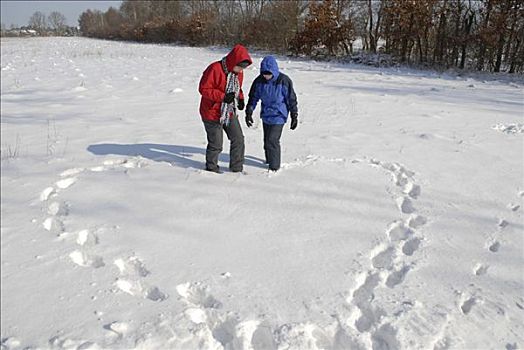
272	135
214	144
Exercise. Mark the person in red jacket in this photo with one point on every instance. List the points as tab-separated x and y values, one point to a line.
221	90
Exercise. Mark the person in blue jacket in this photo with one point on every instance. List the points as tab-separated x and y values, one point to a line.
275	90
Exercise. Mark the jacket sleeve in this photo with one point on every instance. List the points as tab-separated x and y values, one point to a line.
254	96
291	97
208	86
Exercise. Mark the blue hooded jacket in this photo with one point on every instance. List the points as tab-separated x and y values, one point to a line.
277	95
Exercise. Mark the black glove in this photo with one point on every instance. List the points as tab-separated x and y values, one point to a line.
230	97
249	118
241	105
294	121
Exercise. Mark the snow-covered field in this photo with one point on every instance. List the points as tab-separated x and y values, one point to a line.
396	221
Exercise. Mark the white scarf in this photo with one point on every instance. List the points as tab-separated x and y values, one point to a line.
229	110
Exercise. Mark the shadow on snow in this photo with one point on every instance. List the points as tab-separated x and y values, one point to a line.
176	155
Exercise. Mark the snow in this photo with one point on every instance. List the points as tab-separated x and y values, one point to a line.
396	221
509	128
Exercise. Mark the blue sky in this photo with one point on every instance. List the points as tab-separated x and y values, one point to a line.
18	12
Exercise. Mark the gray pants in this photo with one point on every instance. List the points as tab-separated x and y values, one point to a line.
215	138
272	135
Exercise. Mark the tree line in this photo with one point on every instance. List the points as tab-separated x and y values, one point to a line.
42	25
484	35
55	22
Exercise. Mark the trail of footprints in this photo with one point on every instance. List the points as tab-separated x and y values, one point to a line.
391	260
492	245
468	301
132	274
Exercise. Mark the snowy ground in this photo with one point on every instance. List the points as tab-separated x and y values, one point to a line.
395	223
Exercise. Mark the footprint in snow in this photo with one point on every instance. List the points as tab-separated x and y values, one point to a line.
405	205
363	294
58	208
411	246
47	193
370	317
398	231
131	266
385	337
397	277
66	183
117	328
411	189
86	260
384	259
198	295
137	288
468	304
416	221
425	136
503	223
132	271
58	342
10	343
512	128
71	172
480	269
54	225
155	294
494	247
87	238
513	207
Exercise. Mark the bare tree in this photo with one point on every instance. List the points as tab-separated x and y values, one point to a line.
38	21
57	22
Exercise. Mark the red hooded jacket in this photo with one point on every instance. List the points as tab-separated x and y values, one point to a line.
212	85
